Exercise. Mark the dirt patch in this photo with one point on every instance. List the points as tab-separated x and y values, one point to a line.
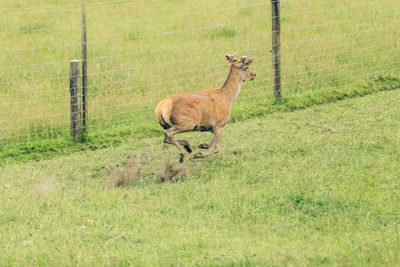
127	175
136	164
171	172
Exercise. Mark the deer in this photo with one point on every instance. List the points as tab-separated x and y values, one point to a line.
207	110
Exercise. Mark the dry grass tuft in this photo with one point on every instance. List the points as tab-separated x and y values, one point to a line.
127	176
44	188
170	172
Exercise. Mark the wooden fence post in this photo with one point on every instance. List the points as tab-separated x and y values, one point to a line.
276	47
74	88
84	71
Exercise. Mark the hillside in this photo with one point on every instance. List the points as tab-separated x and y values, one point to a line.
309	187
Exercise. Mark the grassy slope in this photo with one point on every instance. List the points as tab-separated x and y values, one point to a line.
319	186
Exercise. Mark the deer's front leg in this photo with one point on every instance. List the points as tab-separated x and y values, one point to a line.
207	145
217	140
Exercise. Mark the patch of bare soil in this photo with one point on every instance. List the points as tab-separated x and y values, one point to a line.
128	175
171	172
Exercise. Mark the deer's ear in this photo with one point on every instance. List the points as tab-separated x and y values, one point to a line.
246	61
231	58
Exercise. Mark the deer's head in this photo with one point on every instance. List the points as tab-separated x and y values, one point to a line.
242	65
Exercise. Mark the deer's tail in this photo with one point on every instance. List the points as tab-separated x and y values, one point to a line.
163	113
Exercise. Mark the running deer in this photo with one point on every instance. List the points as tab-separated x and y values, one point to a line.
207	110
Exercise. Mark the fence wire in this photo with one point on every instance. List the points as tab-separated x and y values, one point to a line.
142	51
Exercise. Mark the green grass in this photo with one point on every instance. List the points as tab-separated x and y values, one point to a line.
50	143
298	181
139	53
318	186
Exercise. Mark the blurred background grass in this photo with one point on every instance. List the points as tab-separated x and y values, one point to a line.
141	51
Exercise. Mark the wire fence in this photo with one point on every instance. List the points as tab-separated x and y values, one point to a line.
141	51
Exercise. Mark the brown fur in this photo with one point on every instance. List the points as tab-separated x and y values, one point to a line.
207	110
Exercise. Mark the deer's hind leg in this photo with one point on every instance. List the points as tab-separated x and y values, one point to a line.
181	145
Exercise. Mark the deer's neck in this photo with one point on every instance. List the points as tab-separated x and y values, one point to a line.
231	87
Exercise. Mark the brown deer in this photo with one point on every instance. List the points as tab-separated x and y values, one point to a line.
207	110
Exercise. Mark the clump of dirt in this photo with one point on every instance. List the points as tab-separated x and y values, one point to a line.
170	172
128	175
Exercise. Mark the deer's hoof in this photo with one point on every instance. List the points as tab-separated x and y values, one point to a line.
204	146
198	155
188	148
182	158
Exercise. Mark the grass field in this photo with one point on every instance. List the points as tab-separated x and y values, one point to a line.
313	187
311	179
141	51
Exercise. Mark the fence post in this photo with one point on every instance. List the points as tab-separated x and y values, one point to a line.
84	70
74	88
276	47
